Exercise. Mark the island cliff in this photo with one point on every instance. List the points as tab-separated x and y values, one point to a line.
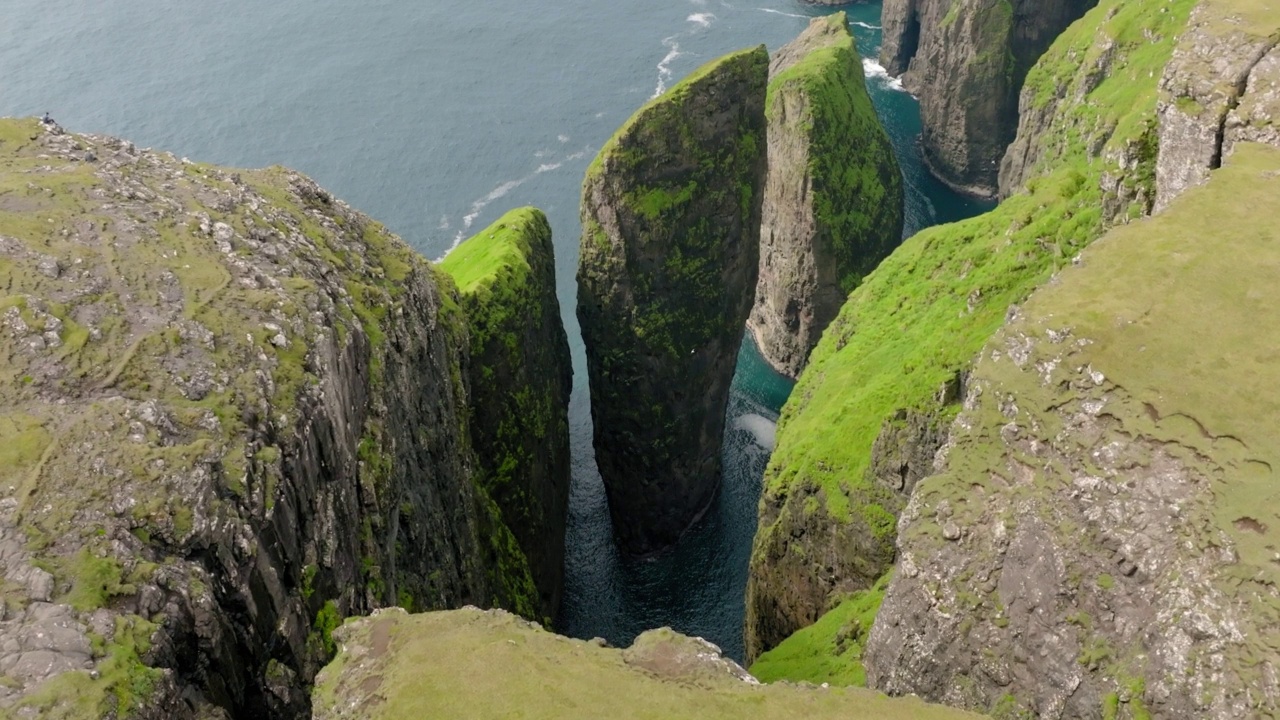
1055	529
668	265
833	193
233	411
520	378
966	61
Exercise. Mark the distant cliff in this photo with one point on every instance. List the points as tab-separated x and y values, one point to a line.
520	379
233	411
966	60
669	255
833	194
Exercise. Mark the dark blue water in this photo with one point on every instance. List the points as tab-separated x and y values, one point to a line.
437	117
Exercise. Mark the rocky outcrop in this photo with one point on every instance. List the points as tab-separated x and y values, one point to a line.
833	194
668	265
1202	87
883	384
1098	539
233	411
966	61
520	377
473	664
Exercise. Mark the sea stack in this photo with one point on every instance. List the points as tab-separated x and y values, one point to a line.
668	267
520	377
833	195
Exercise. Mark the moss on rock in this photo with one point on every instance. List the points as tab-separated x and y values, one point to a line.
671	222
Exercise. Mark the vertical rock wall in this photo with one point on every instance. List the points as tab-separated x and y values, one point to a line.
668	267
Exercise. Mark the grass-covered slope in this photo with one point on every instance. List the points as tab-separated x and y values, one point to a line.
520	379
1110	488
468	664
922	315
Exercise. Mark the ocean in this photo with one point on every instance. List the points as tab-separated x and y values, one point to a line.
435	118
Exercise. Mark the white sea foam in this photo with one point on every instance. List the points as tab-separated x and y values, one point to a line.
873	69
779	12
859	23
664	67
563	139
444	222
763	430
702	19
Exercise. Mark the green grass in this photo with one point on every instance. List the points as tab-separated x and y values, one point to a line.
504	245
467	664
830	650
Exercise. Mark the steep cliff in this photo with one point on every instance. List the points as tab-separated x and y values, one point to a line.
833	192
467	664
885	381
966	61
670	248
1202	88
232	411
1099	539
520	377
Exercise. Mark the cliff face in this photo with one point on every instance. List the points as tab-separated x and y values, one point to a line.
1099	537
233	410
966	61
520	377
1219	59
833	193
670	248
877	398
472	664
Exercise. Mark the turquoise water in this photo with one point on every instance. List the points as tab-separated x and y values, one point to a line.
436	118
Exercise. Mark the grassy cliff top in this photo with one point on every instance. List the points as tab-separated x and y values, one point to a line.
741	61
504	245
474	664
827	33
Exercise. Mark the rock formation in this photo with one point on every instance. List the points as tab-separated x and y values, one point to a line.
1098	539
885	381
469	664
233	411
520	377
670	248
833	193
966	61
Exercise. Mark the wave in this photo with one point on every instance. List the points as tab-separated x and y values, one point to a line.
868	26
771	11
873	69
702	19
763	430
501	190
664	66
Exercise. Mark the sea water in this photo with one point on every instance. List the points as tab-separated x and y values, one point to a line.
435	118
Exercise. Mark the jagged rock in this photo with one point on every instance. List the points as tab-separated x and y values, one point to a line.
668	265
1114	482
966	61
470	664
1257	117
254	423
833	193
521	377
1201	86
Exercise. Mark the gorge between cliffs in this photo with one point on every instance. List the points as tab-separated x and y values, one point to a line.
260	457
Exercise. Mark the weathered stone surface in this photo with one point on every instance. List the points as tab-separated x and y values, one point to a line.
473	665
233	410
668	266
521	377
966	61
1099	538
1201	86
833	193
